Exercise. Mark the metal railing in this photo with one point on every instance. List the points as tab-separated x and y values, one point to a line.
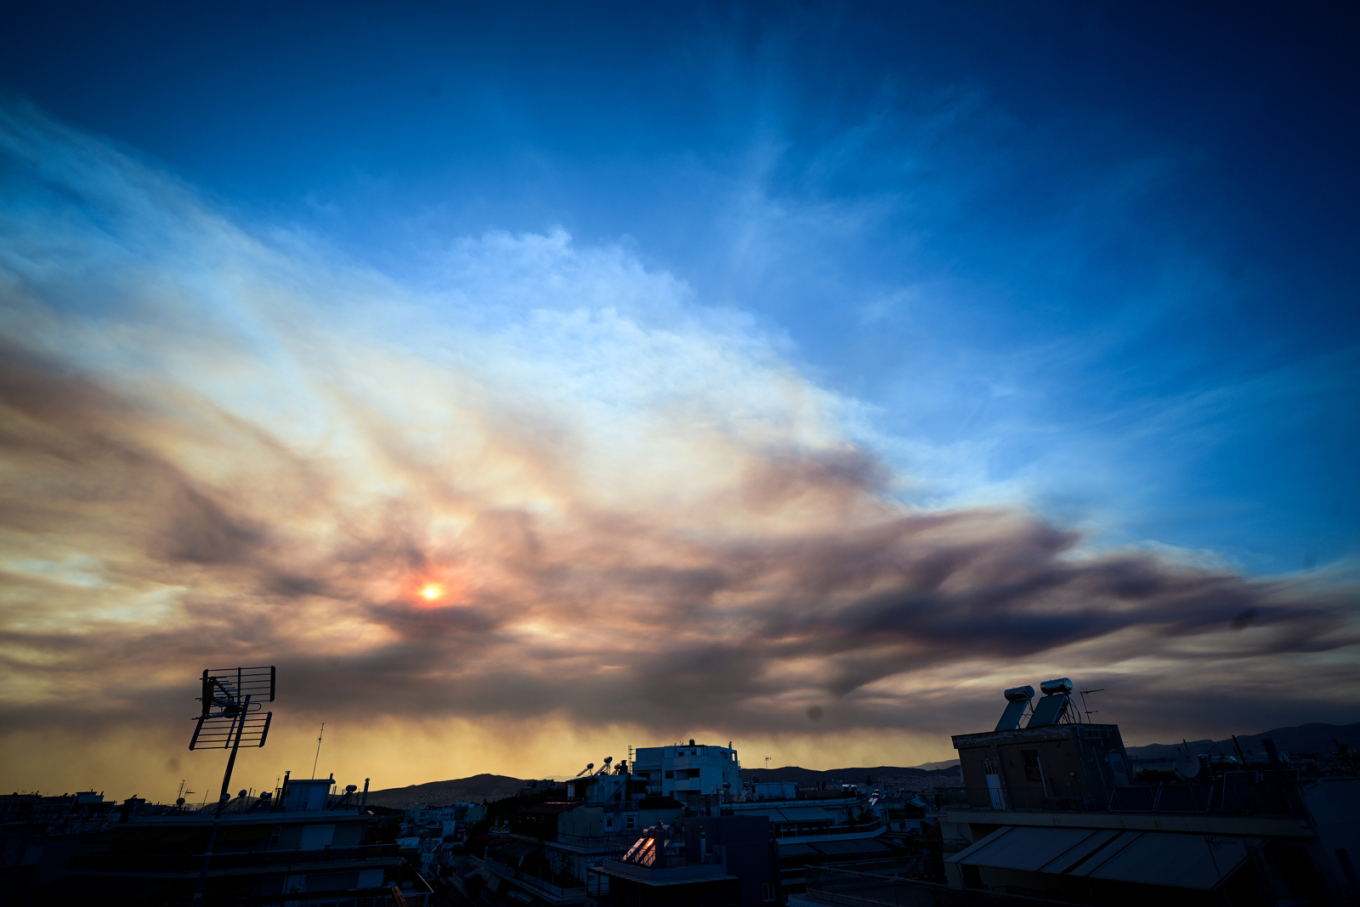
221	862
781	830
557	891
1064	798
861	889
622	841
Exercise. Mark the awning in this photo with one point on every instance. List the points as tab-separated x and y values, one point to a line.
1073	858
853	846
1193	861
773	815
796	850
807	814
1017	847
1161	858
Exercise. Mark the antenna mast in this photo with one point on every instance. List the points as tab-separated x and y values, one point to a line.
318	748
1089	712
229	717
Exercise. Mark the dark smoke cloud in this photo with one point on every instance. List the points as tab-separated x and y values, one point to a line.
596	615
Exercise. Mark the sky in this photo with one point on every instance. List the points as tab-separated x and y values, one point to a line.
536	381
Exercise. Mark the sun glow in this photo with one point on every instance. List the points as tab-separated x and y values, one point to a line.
431	592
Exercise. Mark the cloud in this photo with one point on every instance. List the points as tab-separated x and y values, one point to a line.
230	445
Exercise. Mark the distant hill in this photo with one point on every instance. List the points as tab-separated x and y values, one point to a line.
882	774
1306	738
439	793
498	787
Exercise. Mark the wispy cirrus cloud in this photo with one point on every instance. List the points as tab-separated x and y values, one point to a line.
223	444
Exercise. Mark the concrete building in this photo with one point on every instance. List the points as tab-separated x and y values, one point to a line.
725	860
548	852
689	772
1066	765
1052	810
303	846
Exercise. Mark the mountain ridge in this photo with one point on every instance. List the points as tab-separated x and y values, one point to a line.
1312	737
1304	738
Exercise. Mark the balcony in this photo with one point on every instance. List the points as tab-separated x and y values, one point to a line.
542	887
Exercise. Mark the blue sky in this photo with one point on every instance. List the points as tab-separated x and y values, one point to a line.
1001	298
1094	259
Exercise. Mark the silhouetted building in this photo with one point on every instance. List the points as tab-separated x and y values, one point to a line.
725	860
304	846
1055	809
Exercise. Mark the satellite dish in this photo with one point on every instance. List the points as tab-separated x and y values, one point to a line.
1187	766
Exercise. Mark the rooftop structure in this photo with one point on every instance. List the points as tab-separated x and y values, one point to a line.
725	860
305	844
301	844
1056	810
690	772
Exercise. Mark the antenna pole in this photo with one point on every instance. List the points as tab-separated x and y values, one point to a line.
1088	712
318	747
240	722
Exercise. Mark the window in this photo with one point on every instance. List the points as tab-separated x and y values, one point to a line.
989	767
766	892
1032	770
670	774
609	821
630	822
694	773
274	835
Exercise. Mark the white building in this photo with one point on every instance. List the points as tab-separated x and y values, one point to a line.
689	771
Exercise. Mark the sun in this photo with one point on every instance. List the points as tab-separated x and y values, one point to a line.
431	592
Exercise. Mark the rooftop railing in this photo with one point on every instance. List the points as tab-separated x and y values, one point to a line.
132	863
1221	796
795	830
557	892
827	885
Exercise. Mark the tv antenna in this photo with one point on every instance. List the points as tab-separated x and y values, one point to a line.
233	713
318	748
1089	712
